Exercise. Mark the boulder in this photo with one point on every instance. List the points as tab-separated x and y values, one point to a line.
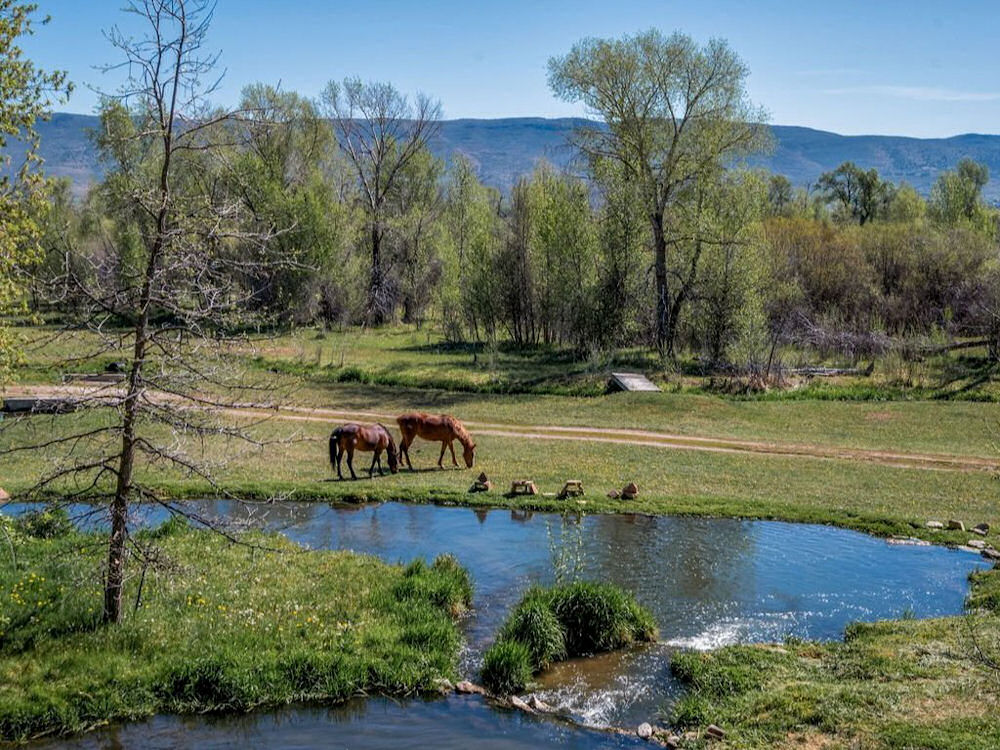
714	732
630	491
981	528
539	705
478	486
991	554
644	730
523	487
978	544
520	704
469	688
482	477
934	525
957	525
672	741
4	495
614	494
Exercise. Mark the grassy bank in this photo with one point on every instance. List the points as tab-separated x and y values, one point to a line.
220	627
895	684
865	496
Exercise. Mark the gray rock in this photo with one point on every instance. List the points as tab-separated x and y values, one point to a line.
934	525
953	524
645	730
443	685
518	703
978	544
469	688
981	528
539	705
991	554
672	741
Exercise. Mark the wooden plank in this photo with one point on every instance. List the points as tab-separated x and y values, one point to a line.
631	381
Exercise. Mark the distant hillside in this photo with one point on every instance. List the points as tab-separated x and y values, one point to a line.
504	149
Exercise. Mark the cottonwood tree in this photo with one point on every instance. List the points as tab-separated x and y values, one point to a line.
381	131
164	297
860	194
26	95
673	112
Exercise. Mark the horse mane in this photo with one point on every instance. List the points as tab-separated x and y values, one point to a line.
460	432
388	433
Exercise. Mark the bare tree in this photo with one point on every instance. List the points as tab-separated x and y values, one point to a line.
166	302
381	132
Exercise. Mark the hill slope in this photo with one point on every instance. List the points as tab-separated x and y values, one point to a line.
504	149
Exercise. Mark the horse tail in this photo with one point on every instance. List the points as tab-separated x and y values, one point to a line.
334	447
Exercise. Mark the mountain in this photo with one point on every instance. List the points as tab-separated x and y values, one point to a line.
505	149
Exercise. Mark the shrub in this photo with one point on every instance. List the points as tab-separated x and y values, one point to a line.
535	625
599	617
507	667
50	523
446	584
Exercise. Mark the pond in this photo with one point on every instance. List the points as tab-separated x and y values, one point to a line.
708	582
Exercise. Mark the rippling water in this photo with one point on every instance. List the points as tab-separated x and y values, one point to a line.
709	582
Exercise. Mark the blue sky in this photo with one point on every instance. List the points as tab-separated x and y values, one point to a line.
882	66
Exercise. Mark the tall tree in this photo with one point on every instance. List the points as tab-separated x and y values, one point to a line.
861	194
381	131
26	95
673	111
956	196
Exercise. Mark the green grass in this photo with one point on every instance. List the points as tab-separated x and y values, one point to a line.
892	684
220	627
550	624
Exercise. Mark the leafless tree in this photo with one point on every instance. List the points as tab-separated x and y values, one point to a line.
381	132
162	296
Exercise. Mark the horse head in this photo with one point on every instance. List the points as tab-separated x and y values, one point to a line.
469	454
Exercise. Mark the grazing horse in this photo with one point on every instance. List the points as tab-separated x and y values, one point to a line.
442	428
351	437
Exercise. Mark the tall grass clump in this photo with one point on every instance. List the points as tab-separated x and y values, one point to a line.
549	625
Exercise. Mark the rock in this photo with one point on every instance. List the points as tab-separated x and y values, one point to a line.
478	486
689	737
539	705
572	488
614	494
958	525
715	733
978	544
630	491
981	528
991	554
443	685
518	703
908	540
482	477
672	741
934	525
469	688
645	730
4	495
523	487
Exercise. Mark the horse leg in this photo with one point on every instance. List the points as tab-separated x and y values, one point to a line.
444	446
406	443
350	459
371	469
451	447
340	455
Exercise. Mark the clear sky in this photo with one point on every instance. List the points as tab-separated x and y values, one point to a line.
916	68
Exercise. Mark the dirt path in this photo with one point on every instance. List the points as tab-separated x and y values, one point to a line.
649	438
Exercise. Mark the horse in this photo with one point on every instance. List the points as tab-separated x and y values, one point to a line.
442	428
351	437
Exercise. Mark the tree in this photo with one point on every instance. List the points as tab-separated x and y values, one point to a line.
779	195
380	131
26	95
862	195
956	196
180	244
673	112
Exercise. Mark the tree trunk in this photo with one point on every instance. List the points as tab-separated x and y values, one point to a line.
378	312
664	335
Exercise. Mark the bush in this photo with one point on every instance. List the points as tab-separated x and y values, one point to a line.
552	624
446	584
535	625
50	523
599	617
507	667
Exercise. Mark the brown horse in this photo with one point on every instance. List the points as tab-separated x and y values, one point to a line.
351	437
442	428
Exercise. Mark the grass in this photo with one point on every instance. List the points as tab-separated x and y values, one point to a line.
221	627
865	496
552	624
892	684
